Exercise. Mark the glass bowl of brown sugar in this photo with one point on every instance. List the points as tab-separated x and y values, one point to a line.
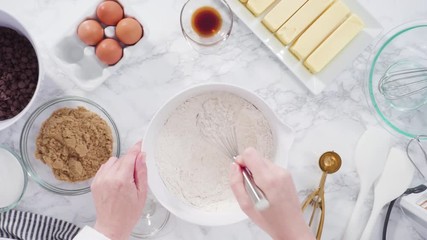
65	141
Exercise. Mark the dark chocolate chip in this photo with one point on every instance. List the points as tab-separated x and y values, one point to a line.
18	73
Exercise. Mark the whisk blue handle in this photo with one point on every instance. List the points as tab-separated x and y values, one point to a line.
256	194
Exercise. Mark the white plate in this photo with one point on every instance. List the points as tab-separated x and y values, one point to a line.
314	82
282	134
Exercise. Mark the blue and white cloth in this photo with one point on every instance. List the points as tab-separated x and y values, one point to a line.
30	226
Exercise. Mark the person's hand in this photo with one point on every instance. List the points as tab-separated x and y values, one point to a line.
119	191
283	219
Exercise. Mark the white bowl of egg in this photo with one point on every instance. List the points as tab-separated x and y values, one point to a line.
187	173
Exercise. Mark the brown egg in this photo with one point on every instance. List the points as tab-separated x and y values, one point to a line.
90	32
109	51
109	12
129	31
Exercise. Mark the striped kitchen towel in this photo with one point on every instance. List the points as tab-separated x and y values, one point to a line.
30	226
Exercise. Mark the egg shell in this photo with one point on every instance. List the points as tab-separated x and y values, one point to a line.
90	32
110	12
109	51
129	31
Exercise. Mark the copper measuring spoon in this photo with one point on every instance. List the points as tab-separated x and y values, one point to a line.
329	162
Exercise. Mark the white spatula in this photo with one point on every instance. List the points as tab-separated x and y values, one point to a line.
395	179
370	156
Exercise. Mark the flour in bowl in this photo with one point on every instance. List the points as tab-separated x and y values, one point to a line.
194	169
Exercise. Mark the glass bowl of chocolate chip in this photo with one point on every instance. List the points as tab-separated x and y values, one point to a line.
20	70
64	143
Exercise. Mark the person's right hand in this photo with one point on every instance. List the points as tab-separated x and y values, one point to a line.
283	219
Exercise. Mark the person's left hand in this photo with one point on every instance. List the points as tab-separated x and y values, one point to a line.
119	191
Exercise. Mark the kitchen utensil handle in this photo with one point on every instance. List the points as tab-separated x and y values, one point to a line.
256	194
371	223
358	219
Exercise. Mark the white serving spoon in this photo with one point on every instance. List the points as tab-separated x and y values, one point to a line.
370	157
396	178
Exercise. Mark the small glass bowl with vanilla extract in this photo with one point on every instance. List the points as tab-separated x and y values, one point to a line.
206	24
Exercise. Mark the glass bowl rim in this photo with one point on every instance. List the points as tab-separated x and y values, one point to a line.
379	46
163	225
24	139
228	33
19	159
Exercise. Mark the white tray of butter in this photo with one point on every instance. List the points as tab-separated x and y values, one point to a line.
315	39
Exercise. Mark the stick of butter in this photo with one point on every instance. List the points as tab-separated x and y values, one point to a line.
281	13
301	20
320	30
334	44
258	6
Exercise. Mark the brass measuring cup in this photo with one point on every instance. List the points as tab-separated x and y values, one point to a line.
329	162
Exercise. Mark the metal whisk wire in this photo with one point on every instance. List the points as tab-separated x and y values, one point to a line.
219	138
225	139
403	83
230	143
416	142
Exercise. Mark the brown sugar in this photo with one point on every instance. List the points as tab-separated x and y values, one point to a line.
74	142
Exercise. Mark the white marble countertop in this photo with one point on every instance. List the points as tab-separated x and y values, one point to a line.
334	119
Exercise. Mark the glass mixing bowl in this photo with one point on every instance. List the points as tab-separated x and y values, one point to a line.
22	189
206	44
404	44
40	172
